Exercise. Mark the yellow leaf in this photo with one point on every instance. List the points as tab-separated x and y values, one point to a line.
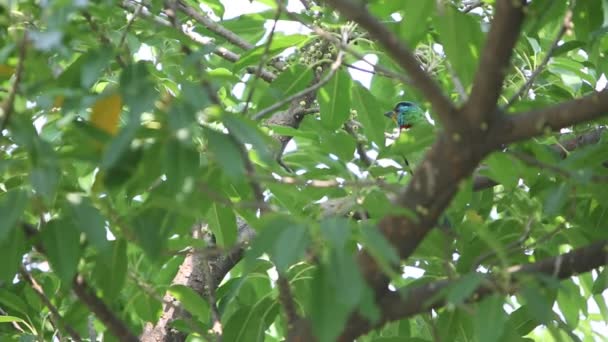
6	71
106	112
473	216
58	101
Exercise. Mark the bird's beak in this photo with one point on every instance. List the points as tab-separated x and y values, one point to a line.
391	114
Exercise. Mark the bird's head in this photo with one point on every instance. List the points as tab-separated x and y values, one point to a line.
401	110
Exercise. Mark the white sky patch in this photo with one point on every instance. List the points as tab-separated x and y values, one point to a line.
601	83
144	53
364	77
412	272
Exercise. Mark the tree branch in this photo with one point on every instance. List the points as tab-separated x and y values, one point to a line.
115	325
8	106
219	51
508	18
526	125
415	300
213	26
356	11
55	315
332	71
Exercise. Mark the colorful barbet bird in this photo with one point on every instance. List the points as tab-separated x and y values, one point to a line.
406	114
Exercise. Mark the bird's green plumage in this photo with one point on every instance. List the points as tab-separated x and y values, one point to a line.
406	114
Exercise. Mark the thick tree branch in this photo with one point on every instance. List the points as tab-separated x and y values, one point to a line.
509	129
562	148
508	18
357	12
415	300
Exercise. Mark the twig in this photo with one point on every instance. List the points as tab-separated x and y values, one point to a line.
220	51
213	26
357	12
377	70
286	299
307	4
306	111
524	88
258	193
55	315
457	83
134	16
263	59
495	58
508	248
8	106
102	37
332	183
332	71
347	48
348	127
472	6
115	326
528	159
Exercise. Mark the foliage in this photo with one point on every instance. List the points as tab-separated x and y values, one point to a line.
110	160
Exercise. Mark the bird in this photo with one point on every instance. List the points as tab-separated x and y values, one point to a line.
406	114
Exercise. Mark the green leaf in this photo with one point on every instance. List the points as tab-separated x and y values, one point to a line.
12	206
181	163
601	283
247	131
88	220
570	302
377	245
61	241
522	321
284	239
152	227
111	269
45	174
462	39
334	100
462	288
556	198
503	169
587	17
368	113
414	25
279	43
137	89
11	319
12	250
490	319
226	153
13	303
411	142
541	12
289	82
248	324
222	223
191	301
